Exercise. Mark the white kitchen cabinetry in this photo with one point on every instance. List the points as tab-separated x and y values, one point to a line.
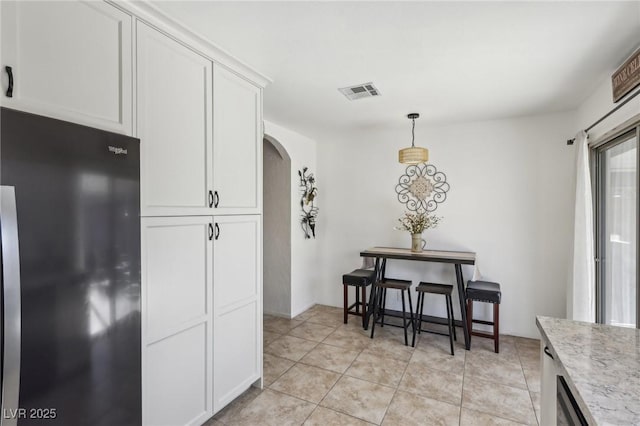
174	116
237	297
200	133
69	60
202	314
177	329
123	66
237	143
548	386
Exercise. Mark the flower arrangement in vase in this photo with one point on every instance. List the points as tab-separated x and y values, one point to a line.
416	224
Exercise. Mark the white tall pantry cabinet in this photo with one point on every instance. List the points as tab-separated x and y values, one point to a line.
200	126
125	67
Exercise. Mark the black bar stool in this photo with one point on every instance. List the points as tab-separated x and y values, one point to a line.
488	292
380	303
433	288
360	279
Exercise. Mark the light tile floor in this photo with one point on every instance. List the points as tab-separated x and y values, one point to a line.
319	371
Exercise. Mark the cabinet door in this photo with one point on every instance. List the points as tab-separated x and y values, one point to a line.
237	143
70	60
177	320
174	126
548	387
237	358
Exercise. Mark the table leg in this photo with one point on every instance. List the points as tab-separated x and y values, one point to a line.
463	310
370	310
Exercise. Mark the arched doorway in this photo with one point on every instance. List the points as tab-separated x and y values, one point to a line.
277	228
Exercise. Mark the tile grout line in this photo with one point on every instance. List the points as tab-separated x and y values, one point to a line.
322	342
299	399
299	362
282	374
464	373
533	406
357	378
512	420
397	387
341	374
334	385
501	384
373	383
342	347
316	405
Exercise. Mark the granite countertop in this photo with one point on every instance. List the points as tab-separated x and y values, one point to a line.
601	365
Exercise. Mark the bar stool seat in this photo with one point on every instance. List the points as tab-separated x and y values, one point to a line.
488	292
395	284
484	291
434	288
357	278
380	303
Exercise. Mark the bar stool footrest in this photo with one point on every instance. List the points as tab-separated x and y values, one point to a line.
481	334
483	322
354	304
434	332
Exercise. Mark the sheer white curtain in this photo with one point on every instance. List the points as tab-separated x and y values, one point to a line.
582	288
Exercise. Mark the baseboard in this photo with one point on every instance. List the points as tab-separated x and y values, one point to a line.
304	309
277	314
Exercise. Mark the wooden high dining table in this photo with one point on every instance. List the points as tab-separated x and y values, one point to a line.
457	258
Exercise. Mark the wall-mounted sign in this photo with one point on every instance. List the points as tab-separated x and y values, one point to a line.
627	77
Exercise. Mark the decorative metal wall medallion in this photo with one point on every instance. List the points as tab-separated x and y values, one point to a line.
309	210
422	187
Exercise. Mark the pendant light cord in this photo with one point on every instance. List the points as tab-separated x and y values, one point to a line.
413	132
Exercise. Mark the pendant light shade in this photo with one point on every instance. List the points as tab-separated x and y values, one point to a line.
414	154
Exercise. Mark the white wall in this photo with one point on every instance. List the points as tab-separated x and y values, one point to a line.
511	201
277	230
304	259
600	102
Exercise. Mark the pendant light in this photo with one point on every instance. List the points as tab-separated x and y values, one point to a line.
413	155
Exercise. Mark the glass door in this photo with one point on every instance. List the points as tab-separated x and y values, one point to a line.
617	230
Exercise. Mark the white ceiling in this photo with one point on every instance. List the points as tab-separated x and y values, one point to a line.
449	61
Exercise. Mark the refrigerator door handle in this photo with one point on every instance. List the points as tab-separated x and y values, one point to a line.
10	307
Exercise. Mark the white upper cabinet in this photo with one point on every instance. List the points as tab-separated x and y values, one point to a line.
174	117
237	143
69	60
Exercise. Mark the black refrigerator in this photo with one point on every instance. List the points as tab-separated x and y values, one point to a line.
70	230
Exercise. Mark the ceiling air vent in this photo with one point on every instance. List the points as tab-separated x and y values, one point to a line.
364	90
